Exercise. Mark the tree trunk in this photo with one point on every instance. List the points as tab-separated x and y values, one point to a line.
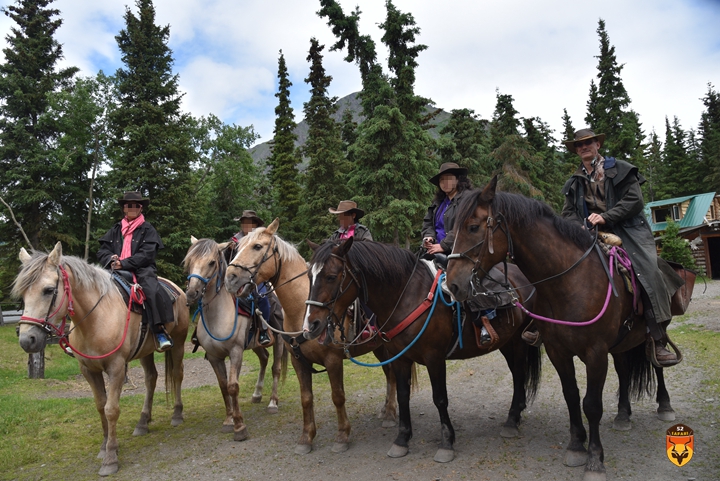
36	365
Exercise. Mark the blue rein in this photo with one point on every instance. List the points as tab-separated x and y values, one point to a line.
206	280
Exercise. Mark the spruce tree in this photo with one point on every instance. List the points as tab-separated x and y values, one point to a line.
654	173
675	248
504	121
285	158
32	180
570	160
465	140
709	133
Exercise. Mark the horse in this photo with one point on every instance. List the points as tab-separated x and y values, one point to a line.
572	285
223	333
263	256
104	335
394	285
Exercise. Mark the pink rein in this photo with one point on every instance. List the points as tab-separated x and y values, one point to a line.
622	259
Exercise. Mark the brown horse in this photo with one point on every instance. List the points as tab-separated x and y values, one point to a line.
394	285
570	287
222	332
263	256
104	335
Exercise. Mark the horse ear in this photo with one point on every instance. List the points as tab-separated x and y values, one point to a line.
56	254
488	193
312	245
223	246
345	246
24	256
273	227
193	239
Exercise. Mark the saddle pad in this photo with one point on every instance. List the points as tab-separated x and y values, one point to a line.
173	293
432	269
169	291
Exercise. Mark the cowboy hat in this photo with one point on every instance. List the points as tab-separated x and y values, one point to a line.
448	168
251	215
583	134
349	207
134	197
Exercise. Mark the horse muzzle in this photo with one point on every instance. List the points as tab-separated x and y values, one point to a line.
459	293
32	338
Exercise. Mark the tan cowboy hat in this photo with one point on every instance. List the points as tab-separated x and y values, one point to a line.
448	168
347	206
134	197
583	134
250	214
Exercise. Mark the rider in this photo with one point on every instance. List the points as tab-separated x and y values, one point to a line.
604	192
249	221
132	245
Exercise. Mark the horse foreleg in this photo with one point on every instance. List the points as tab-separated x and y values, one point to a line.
304	445
403	376
515	354
596	368
174	373
218	366
438	379
239	428
622	420
148	364
97	384
388	411
277	369
263	356
334	366
665	411
116	377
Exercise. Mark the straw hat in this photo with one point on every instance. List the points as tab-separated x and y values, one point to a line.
448	168
133	197
583	134
347	206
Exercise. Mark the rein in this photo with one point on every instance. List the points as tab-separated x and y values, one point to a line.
201	305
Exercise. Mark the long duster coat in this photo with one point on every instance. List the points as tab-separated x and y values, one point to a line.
625	216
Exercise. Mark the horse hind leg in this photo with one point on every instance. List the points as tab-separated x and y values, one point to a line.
665	411
263	356
388	411
148	364
515	356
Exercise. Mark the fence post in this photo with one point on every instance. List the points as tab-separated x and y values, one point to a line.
36	365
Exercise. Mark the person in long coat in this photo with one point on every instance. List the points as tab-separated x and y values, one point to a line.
437	230
605	192
132	245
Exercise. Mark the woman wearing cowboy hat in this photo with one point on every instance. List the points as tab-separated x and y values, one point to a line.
437	230
605	193
348	217
132	245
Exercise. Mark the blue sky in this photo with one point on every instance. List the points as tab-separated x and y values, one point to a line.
540	52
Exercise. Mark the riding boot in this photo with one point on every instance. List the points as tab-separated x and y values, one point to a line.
264	338
663	355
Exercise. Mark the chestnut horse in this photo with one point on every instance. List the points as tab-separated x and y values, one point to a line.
570	287
393	285
263	256
223	333
104	336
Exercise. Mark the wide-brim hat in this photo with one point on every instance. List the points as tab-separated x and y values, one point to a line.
347	206
448	168
251	215
134	197
583	134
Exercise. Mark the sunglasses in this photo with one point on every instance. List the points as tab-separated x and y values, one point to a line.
583	143
131	205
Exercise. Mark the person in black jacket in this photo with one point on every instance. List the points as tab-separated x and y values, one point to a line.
132	245
437	230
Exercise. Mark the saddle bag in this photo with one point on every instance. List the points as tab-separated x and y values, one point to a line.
681	298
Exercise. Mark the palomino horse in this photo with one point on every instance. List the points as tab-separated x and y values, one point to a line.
264	256
394	286
570	287
223	333
104	336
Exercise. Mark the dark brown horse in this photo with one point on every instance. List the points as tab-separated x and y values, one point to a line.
549	251
394	285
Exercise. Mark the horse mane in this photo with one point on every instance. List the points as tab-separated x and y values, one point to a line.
200	249
287	251
525	213
86	275
379	262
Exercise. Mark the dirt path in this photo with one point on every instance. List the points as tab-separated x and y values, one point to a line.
480	392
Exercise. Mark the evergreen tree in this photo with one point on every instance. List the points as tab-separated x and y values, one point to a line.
709	132
151	148
654	172
546	173
675	248
348	130
505	121
608	109
284	159
32	180
465	140
325	183
570	160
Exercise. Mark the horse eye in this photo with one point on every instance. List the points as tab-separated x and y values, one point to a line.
331	278
257	247
48	291
474	228
211	263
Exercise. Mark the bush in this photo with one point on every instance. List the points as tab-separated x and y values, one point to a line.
675	248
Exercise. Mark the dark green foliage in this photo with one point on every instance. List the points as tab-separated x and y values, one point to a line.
675	248
465	139
654	169
284	159
570	160
504	122
348	131
709	132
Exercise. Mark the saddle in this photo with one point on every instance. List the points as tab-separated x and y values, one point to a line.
124	280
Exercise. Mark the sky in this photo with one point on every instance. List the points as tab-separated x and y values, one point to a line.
542	52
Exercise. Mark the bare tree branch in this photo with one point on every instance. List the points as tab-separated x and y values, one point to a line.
16	222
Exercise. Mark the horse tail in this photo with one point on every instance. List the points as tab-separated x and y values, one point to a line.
169	378
533	370
641	373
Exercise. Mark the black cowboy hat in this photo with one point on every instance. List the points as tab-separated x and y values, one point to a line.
347	206
448	168
251	215
583	134
134	197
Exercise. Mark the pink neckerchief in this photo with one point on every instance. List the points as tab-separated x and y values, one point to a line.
127	229
350	232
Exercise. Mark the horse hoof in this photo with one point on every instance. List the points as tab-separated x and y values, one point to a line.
101	454
594	476
444	455
575	458
241	435
303	448
256	399
389	423
227	428
141	431
340	447
176	421
397	451
272	407
622	425
108	469
509	432
666	415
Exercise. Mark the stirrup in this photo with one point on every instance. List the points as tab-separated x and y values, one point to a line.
533	338
650	353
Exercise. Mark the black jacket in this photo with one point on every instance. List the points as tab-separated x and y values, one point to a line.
361	233
145	245
428	229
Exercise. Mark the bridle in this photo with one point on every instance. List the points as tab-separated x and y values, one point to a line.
253	270
45	323
218	285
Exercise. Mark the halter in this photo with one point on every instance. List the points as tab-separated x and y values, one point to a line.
218	285
265	258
